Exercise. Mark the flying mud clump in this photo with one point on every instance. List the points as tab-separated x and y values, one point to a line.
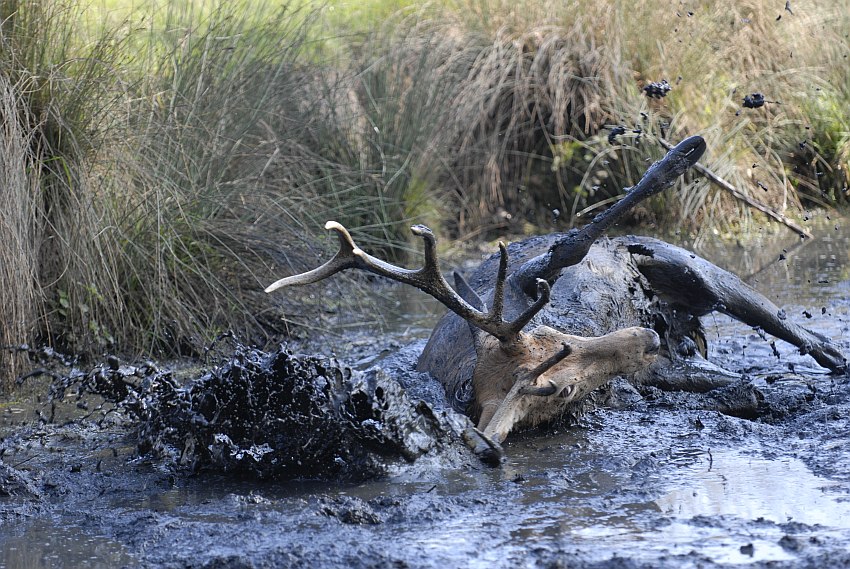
657	90
278	416
754	101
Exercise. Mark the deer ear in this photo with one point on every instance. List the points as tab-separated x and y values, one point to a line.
468	294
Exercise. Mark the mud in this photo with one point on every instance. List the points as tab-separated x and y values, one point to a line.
647	485
757	473
657	89
264	416
754	101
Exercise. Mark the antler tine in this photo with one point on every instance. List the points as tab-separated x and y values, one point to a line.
499	290
428	279
344	259
508	331
429	242
529	376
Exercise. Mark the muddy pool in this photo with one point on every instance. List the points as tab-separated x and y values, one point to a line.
655	483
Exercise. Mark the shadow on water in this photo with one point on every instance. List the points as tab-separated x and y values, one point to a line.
672	488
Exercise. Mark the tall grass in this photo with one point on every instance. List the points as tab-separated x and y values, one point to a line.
18	294
537	86
56	117
147	187
579	66
207	130
159	167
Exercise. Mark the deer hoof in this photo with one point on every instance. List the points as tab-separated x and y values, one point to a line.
486	449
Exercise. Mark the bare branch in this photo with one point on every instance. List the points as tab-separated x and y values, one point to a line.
770	212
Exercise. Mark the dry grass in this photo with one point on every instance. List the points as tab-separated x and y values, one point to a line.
63	264
536	86
19	293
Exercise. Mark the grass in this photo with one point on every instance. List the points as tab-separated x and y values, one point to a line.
162	162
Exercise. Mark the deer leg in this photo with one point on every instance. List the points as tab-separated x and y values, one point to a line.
692	283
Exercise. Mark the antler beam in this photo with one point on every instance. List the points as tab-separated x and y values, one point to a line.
428	279
573	246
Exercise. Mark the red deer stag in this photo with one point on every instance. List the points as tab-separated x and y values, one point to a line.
568	312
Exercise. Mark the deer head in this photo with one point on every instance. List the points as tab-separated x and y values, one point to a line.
550	369
525	378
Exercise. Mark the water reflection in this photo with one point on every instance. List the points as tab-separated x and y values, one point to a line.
681	538
753	487
785	268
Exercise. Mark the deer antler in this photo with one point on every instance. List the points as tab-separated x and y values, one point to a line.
428	279
571	248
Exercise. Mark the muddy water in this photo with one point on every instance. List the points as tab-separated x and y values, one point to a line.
48	544
650	485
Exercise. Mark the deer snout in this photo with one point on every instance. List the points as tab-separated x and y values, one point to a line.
653	343
636	348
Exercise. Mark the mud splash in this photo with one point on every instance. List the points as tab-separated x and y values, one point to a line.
268	416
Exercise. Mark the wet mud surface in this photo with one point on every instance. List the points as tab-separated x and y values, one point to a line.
757	474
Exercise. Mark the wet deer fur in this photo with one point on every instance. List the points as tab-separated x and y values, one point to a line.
548	320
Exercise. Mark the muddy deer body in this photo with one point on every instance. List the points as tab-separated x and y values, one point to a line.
548	320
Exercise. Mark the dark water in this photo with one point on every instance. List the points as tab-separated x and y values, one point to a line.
639	490
809	279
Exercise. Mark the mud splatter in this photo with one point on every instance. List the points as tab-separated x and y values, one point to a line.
657	90
754	101
273	416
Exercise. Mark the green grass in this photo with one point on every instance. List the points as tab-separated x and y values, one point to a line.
162	162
